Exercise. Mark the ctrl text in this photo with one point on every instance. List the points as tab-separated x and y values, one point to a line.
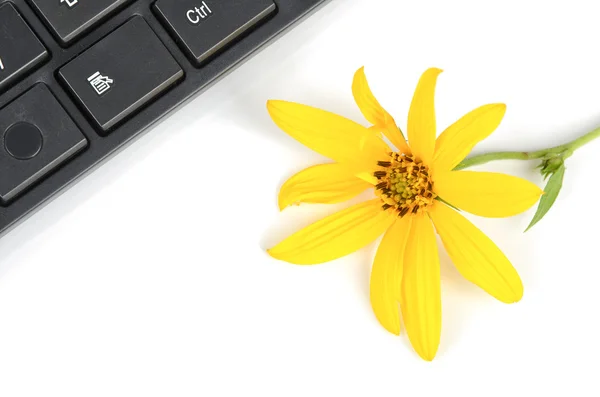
198	14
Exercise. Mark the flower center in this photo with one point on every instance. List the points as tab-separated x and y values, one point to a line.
404	184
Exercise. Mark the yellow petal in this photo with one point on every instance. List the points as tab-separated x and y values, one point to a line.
475	256
421	292
331	135
365	168
457	141
486	194
386	276
323	184
367	177
375	113
421	117
335	236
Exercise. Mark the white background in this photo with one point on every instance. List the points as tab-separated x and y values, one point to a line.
149	278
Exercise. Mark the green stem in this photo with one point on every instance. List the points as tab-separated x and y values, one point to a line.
564	151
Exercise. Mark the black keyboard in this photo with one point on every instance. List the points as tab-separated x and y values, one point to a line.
79	79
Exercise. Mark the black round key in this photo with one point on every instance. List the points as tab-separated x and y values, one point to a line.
23	141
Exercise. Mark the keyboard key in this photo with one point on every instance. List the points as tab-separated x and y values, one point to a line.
37	137
69	19
121	73
205	27
20	50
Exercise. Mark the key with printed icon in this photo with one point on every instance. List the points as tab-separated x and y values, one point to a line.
205	27
69	19
121	73
20	49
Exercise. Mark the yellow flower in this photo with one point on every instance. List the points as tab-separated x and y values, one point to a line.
411	185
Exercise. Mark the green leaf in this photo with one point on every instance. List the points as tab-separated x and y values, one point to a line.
551	193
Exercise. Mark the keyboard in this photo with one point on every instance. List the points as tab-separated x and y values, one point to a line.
81	79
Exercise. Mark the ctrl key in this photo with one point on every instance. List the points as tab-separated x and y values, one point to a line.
37	136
